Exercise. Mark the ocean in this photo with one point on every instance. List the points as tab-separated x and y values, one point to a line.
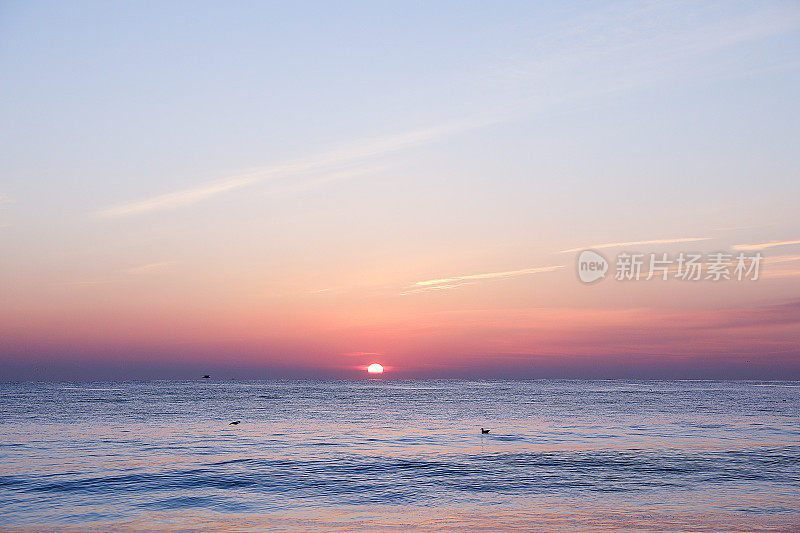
388	455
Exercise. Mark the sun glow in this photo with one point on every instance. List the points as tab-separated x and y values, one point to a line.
375	368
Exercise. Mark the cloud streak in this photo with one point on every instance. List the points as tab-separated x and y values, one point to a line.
636	243
458	281
176	199
322	162
674	53
764	245
148	267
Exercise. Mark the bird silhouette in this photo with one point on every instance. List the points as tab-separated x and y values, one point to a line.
484	431
234	422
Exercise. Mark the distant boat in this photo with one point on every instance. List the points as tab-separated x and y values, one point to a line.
206	376
234	422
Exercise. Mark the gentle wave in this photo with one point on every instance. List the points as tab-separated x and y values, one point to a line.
601	471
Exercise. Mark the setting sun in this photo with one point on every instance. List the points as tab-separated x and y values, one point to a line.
375	368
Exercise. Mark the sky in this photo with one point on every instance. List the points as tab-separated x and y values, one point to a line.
297	190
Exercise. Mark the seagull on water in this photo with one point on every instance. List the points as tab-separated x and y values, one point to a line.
234	422
484	431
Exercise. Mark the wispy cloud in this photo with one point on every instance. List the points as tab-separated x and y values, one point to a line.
638	48
177	199
457	281
432	288
328	177
490	275
636	243
121	275
781	258
643	45
148	267
764	245
782	270
362	354
86	282
322	162
739	228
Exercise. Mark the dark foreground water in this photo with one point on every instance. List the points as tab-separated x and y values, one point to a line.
400	456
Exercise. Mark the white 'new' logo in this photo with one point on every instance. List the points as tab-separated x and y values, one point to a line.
591	266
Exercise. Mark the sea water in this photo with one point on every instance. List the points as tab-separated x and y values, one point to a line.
388	455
